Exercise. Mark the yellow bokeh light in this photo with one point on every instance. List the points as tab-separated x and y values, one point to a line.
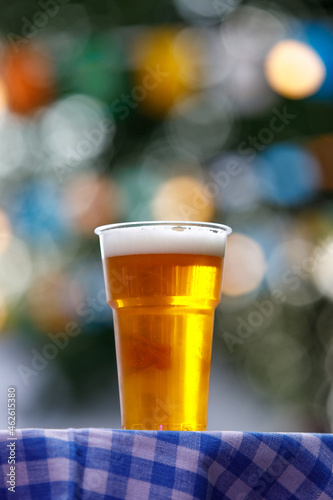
245	265
183	198
3	97
294	69
165	65
5	231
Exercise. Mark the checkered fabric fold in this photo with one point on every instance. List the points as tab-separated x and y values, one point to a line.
98	464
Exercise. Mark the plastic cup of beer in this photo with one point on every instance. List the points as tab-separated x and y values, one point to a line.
163	283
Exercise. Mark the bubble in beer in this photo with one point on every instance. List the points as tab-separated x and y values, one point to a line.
245	265
183	198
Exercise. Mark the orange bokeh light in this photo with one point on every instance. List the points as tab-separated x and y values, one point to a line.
28	77
3	97
182	198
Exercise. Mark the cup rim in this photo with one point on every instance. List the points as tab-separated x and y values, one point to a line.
123	225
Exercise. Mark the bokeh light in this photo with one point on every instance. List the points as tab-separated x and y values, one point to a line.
251	30
160	157
182	198
289	174
28	76
245	266
96	70
246	36
208	116
3	312
76	129
13	144
248	88
319	35
93	308
92	201
163	67
289	274
322	274
3	97
52	301
15	270
268	227
204	12
117	113
294	69
5	231
322	148
36	212
233	183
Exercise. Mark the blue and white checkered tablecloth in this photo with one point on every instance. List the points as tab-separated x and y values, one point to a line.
98	464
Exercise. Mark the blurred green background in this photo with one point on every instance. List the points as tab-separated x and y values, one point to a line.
216	110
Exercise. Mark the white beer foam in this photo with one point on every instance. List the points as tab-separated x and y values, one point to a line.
162	239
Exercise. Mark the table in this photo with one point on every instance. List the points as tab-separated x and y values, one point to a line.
98	464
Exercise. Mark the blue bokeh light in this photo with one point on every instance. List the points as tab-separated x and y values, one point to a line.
289	175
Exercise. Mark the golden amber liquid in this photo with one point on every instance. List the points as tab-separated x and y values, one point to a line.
163	308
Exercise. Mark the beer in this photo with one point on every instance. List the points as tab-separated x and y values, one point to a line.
163	284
